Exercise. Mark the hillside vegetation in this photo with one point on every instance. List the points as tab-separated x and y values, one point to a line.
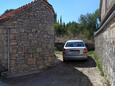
83	29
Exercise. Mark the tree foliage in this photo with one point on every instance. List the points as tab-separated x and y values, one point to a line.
86	26
8	10
88	23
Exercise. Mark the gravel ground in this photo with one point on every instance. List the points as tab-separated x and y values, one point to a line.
77	73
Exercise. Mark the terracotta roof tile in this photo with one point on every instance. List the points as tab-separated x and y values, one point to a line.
17	11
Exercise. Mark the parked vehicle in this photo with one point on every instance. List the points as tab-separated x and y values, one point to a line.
75	50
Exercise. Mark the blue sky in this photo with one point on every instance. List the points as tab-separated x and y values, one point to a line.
69	10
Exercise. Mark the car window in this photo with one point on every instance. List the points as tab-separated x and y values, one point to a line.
75	44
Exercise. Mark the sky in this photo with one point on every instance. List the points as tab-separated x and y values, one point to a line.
69	10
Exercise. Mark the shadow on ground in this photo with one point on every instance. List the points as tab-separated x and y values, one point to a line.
90	62
62	74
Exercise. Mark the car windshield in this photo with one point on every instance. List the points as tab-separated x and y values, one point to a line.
75	44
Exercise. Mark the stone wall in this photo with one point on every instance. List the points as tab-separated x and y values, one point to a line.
3	48
106	5
31	40
103	9
105	49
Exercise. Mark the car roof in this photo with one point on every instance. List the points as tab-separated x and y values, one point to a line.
75	41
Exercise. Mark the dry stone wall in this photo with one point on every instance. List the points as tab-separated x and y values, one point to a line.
31	40
3	48
105	49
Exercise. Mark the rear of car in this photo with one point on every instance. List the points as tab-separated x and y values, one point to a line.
75	50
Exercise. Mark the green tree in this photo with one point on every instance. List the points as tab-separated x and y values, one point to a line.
72	28
88	24
8	10
85	27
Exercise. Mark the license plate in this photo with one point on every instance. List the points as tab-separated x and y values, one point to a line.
75	52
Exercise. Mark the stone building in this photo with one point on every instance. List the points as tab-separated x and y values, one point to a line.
105	39
27	39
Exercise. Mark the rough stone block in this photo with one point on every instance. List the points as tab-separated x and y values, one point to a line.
31	61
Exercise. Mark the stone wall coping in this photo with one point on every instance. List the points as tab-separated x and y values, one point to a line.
105	23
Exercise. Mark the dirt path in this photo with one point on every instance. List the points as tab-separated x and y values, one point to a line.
62	74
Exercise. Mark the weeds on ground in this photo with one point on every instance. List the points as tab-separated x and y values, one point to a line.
99	64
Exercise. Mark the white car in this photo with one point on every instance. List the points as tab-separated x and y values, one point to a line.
75	50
